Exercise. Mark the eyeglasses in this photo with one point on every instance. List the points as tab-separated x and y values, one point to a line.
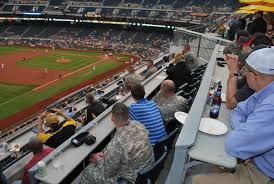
245	69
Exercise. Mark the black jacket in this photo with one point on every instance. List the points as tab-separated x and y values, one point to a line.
258	25
94	110
179	74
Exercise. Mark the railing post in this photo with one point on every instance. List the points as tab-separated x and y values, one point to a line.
199	45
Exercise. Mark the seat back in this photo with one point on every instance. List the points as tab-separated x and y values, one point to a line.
172	125
182	87
123	181
150	174
192	93
197	78
164	142
195	84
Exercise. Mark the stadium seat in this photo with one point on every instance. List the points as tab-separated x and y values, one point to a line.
190	100
199	77
195	83
167	141
149	174
189	94
123	181
197	72
172	125
183	87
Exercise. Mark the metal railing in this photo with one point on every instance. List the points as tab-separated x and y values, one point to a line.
207	47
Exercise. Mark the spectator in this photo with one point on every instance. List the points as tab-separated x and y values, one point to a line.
170	103
242	23
249	25
147	113
234	26
180	72
249	43
36	147
151	69
94	109
252	122
258	24
3	179
190	58
132	79
58	133
235	47
128	152
237	87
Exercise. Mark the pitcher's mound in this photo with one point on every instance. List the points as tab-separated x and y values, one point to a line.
63	60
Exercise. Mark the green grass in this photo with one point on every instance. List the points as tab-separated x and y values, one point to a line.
11	49
9	91
49	61
15	98
24	101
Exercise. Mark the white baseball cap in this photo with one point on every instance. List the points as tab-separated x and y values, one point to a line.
262	60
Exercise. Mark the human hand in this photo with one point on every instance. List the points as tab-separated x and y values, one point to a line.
232	62
246	162
94	157
43	115
58	111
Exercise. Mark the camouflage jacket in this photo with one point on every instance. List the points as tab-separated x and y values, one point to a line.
128	152
171	105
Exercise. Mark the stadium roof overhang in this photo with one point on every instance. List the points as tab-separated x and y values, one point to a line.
165	23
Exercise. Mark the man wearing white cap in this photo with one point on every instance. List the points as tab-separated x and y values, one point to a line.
252	121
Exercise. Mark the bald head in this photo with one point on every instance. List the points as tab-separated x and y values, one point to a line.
35	145
168	87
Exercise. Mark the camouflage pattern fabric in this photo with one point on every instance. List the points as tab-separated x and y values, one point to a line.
127	153
171	105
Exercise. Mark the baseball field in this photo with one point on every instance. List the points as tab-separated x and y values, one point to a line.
33	78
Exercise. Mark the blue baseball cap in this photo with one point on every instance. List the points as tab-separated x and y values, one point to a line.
262	60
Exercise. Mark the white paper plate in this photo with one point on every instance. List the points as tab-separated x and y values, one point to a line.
212	126
181	116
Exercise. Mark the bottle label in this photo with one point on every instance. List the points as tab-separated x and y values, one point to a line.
215	109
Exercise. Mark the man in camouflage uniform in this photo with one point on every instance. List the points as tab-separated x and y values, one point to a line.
127	153
169	103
